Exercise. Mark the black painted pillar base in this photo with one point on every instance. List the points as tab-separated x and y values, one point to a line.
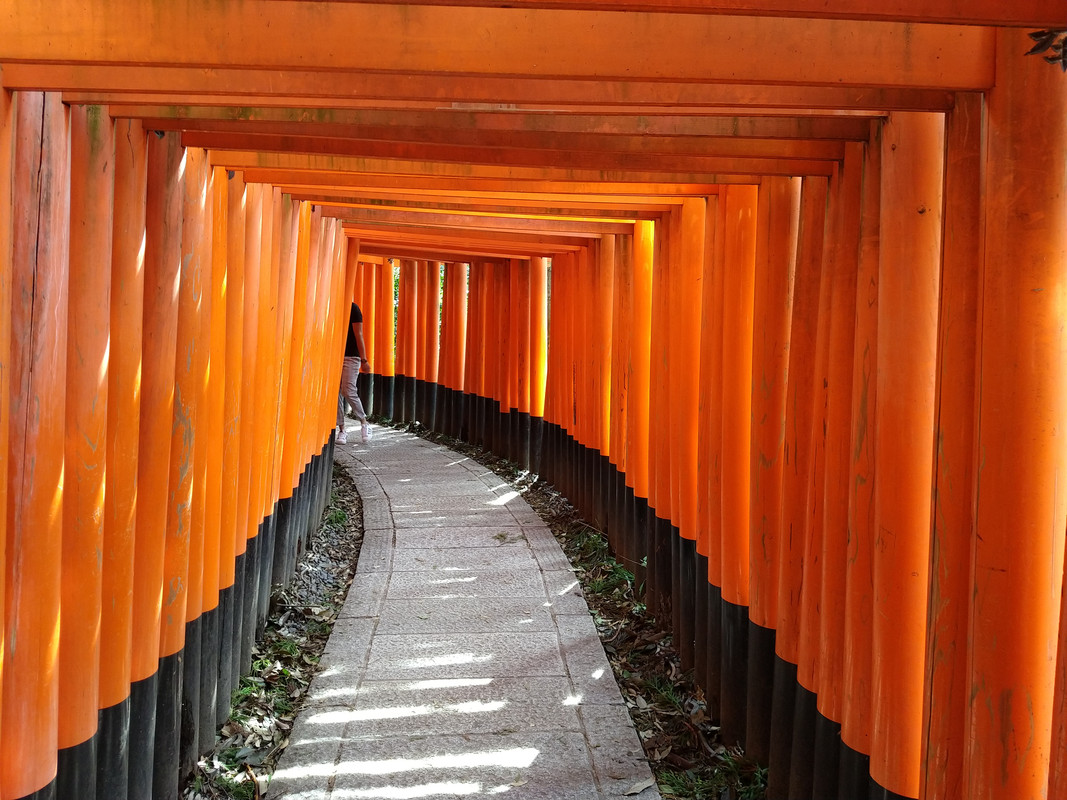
525	428
166	757
701	593
854	773
685	594
400	399
238	617
783	712
113	752
76	770
713	688
734	672
537	445
827	758
249	591
388	396
283	544
189	737
640	531
225	656
760	692
142	736
49	792
210	625
802	756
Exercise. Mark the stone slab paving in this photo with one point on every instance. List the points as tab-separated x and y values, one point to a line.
465	662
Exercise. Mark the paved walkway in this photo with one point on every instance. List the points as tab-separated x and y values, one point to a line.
465	662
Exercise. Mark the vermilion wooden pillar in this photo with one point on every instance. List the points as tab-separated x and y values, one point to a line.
39	259
120	493
92	191
538	334
1021	505
160	324
945	692
797	478
7	159
737	309
909	270
855	723
778	214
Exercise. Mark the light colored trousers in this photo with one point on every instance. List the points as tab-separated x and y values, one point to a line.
349	391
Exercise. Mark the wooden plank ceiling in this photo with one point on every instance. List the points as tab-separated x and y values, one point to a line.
499	129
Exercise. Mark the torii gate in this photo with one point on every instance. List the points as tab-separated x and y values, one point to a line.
807	264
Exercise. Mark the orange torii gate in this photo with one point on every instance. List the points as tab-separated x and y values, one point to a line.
773	290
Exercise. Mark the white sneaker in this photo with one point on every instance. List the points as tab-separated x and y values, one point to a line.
342	437
366	431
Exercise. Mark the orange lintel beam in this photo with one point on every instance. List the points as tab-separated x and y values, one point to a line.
236	159
287	168
499	41
476	206
462	254
448	236
596	204
562	147
152	84
374	123
467	221
1029	13
623	162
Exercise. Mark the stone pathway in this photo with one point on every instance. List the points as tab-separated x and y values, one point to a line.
465	662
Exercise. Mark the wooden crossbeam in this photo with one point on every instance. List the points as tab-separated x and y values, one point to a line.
500	42
100	84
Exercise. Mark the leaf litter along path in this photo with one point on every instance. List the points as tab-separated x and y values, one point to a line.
669	712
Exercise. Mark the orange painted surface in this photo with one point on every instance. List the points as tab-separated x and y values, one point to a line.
908	282
778	217
459	325
368	305
123	412
39	257
602	359
181	542
7	159
92	190
859	598
845	259
234	505
286	443
622	300
945	692
296	452
522	337
385	353
737	310
659	473
709	433
216	545
687	275
203	246
812	569
1021	510
640	359
512	321
163	220
406	326
538	334
246	521
796	477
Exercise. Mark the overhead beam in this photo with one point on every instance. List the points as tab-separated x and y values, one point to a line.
405	158
542	208
295	168
472	222
549	43
1029	13
98	84
445	124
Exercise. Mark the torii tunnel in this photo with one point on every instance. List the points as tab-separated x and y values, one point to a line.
773	290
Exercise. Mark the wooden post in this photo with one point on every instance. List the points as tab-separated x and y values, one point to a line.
92	191
7	164
909	270
945	693
39	258
1021	506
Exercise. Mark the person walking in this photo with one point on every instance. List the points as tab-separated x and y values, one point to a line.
355	362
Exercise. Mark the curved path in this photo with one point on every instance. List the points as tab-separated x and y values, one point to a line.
465	662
